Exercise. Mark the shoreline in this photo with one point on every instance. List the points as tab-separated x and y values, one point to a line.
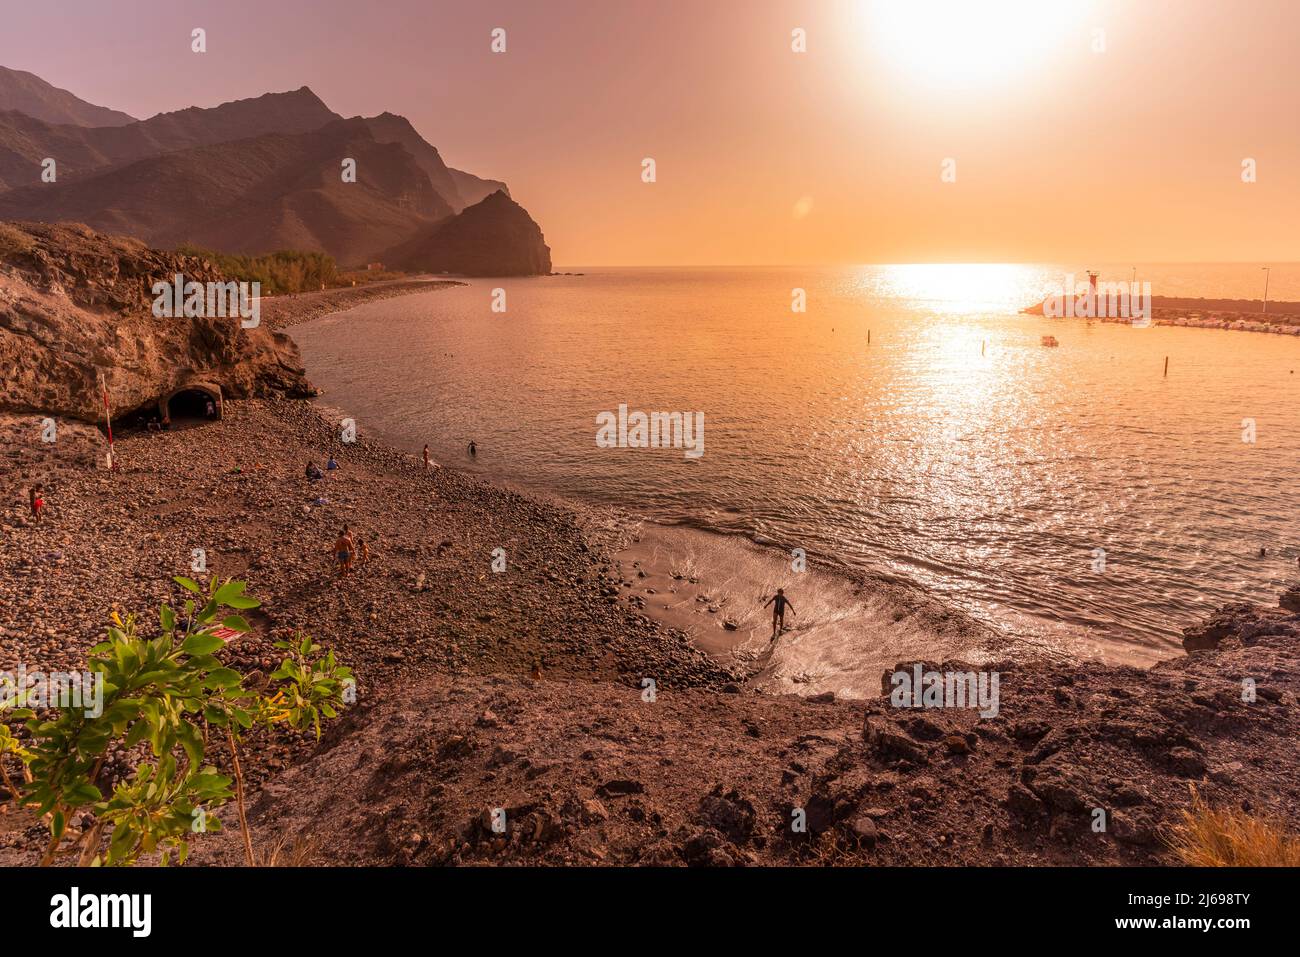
450	719
292	309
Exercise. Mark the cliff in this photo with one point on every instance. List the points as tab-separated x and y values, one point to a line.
495	237
73	301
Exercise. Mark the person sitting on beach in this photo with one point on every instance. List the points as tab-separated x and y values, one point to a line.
779	604
343	552
313	471
37	502
332	464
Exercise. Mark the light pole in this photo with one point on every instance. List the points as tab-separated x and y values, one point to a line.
1265	268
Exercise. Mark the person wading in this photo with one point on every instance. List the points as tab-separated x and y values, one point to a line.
779	604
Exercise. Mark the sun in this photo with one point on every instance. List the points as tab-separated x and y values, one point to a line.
957	43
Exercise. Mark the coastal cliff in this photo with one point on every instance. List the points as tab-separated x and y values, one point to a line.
74	302
494	237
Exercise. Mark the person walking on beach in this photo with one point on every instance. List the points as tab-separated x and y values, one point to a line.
36	500
473	449
343	552
426	458
363	551
779	604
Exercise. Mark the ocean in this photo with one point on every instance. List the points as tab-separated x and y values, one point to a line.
908	425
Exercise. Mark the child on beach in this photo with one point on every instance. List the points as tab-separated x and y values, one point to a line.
313	472
779	604
331	465
363	551
37	502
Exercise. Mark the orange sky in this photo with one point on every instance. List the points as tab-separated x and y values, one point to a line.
1062	153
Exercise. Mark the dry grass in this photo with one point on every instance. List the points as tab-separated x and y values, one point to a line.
1227	837
14	241
299	852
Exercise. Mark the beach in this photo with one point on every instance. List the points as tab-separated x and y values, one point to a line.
556	690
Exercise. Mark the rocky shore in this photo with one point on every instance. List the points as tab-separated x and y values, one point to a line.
1280	325
525	690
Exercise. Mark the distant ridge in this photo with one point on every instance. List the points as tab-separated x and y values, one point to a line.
28	93
263	174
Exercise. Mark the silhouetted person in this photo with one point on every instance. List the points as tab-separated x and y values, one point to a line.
426	457
779	604
473	449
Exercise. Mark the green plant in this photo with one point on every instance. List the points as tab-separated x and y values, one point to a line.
167	690
284	271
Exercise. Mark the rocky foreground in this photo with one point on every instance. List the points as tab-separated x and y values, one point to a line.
592	773
523	690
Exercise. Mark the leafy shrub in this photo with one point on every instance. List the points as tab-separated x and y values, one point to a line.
279	272
169	691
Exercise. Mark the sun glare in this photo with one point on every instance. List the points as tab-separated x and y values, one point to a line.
955	43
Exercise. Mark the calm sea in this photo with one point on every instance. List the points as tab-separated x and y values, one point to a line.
908	424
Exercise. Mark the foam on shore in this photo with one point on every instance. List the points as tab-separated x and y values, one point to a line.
845	633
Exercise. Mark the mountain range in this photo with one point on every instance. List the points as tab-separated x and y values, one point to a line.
257	175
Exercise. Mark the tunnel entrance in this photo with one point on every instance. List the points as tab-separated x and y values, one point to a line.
193	405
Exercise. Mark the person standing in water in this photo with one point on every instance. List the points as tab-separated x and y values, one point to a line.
426	458
473	449
779	604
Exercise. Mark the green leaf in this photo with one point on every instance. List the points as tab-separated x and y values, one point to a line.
83	793
228	591
236	622
204	643
243	601
189	584
223	678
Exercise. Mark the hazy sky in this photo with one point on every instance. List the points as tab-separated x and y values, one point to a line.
765	155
